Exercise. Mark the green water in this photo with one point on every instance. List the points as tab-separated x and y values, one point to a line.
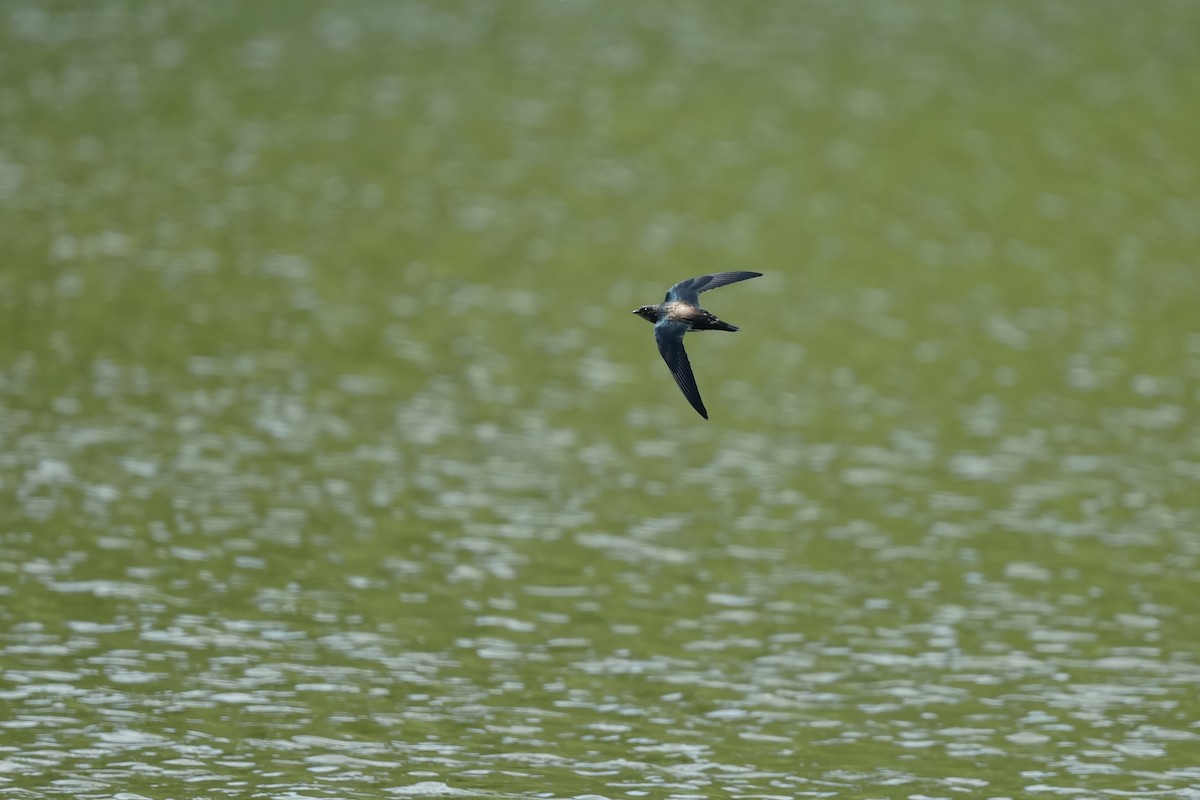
333	464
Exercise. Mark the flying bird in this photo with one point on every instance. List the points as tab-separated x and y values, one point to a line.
680	312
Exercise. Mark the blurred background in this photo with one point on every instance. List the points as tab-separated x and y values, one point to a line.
333	463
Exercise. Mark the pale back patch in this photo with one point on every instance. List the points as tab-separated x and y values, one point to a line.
679	311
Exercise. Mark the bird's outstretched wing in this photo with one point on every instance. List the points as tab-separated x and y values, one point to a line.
669	336
689	290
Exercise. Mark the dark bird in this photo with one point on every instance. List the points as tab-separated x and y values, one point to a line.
680	312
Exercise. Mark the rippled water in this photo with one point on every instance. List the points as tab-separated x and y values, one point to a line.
333	464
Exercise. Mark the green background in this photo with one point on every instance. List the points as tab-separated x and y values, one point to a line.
333	464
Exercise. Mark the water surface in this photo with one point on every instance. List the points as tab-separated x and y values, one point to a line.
333	464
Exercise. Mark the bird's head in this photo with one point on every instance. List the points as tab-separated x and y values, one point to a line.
648	313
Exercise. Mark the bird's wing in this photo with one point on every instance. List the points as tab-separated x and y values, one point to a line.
669	336
689	290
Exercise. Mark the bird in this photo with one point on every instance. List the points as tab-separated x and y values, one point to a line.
680	312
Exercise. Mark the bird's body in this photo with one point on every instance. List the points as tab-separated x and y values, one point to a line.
696	318
680	312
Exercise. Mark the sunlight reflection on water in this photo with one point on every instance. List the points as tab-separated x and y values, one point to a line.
331	470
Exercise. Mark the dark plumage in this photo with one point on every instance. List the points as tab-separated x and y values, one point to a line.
680	312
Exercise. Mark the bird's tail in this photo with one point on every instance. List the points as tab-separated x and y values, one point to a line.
715	324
